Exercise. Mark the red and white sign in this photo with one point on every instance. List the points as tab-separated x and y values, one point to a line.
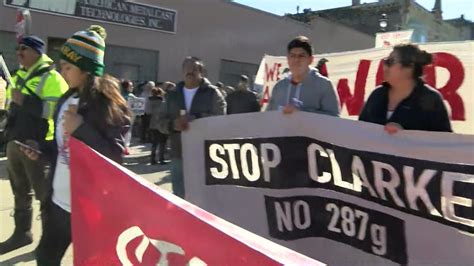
118	218
392	38
23	23
356	74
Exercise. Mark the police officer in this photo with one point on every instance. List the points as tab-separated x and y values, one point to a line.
33	96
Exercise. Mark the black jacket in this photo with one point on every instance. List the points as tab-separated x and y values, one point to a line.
242	102
423	109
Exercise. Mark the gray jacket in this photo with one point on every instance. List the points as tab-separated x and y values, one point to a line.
316	94
207	101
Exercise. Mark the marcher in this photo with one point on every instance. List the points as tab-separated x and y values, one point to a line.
242	100
94	112
158	139
145	118
405	101
37	88
127	89
304	88
193	98
127	92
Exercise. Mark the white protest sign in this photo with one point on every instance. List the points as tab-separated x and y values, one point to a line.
137	105
342	191
392	38
356	74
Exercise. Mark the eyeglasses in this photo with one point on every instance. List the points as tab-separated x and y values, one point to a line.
389	61
21	48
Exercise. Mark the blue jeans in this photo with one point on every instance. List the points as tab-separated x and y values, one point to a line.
177	179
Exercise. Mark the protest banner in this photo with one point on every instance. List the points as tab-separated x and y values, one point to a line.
137	105
119	218
340	190
356	74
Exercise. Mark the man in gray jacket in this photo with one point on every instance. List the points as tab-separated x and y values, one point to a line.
192	98
305	88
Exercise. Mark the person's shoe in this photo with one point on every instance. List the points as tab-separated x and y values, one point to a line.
153	162
17	240
162	162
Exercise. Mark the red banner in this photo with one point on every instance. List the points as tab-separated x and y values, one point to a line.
120	218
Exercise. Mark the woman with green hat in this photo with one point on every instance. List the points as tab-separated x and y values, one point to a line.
92	111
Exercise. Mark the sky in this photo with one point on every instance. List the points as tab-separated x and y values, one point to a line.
451	8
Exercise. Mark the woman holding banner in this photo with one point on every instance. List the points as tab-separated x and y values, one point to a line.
94	112
404	101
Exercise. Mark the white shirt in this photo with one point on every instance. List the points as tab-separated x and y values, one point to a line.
189	96
389	114
62	174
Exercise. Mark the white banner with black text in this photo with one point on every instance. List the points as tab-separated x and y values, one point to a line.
341	191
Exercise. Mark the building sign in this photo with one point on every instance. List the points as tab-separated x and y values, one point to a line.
112	11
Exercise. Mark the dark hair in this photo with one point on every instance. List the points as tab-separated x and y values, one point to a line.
126	84
410	55
301	42
194	60
157	91
103	93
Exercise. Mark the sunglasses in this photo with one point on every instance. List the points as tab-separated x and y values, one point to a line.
21	48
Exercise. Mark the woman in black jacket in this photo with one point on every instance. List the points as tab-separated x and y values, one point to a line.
404	101
92	111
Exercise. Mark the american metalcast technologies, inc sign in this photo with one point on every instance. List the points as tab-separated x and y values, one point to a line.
112	11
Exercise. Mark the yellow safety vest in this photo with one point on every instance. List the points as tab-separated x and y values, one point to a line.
49	87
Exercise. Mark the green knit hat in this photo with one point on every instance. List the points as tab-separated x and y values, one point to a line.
85	49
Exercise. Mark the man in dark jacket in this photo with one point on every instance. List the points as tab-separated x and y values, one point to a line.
192	98
242	100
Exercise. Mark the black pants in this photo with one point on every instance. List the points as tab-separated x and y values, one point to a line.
145	124
25	174
56	236
158	140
